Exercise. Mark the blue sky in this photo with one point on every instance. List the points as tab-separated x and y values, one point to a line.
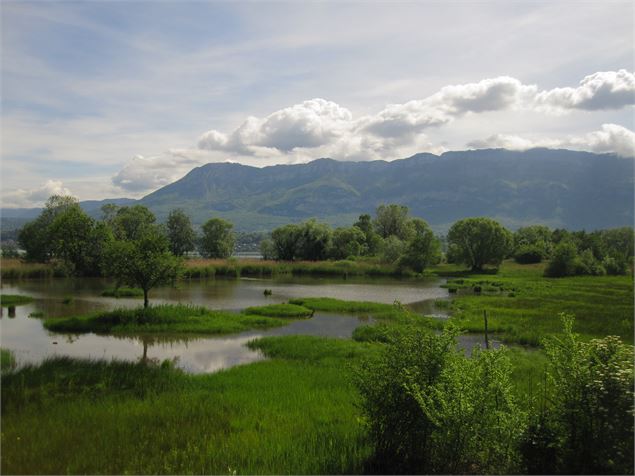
106	99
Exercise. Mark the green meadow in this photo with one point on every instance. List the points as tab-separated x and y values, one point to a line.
298	412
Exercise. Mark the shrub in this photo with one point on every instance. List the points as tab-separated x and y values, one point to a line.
430	409
585	421
563	261
615	266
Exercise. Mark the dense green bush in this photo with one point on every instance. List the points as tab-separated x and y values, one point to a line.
583	423
564	260
430	409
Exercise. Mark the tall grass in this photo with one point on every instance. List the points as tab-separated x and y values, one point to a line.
11	268
273	417
251	267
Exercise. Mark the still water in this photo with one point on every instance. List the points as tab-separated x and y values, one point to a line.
30	342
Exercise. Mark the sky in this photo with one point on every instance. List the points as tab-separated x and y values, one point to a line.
118	98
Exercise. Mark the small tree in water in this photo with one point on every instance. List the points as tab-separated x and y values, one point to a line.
144	262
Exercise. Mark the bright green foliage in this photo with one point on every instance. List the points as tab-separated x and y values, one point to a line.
602	304
292	311
281	416
423	248
430	409
347	242
479	241
392	220
144	262
218	239
180	232
584	424
129	223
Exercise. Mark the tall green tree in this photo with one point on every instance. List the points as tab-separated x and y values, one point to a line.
130	222
373	240
180	232
35	237
71	234
284	242
314	241
479	241
347	242
144	262
532	244
218	239
392	220
423	249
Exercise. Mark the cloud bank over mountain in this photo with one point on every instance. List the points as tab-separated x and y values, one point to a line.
322	128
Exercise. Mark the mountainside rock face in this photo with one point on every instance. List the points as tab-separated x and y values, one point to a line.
559	188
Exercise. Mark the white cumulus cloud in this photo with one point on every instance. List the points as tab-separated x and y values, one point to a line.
601	90
321	128
609	138
25	198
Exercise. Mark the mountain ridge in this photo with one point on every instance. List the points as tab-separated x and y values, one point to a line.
556	187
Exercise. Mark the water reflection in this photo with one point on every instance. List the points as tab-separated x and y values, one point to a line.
30	342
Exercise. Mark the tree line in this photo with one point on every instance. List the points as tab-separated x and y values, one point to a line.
396	238
64	232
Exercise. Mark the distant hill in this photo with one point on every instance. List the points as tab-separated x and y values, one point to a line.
559	188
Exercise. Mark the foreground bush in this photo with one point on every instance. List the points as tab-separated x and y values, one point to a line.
430	409
583	423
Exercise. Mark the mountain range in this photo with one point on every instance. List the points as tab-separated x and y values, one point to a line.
558	188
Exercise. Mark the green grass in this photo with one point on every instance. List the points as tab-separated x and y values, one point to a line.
527	305
283	416
338	305
7	360
123	292
290	311
14	299
177	319
394	313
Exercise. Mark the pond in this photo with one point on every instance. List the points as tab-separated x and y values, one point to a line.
30	342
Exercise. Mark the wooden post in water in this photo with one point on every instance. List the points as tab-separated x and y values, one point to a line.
486	334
